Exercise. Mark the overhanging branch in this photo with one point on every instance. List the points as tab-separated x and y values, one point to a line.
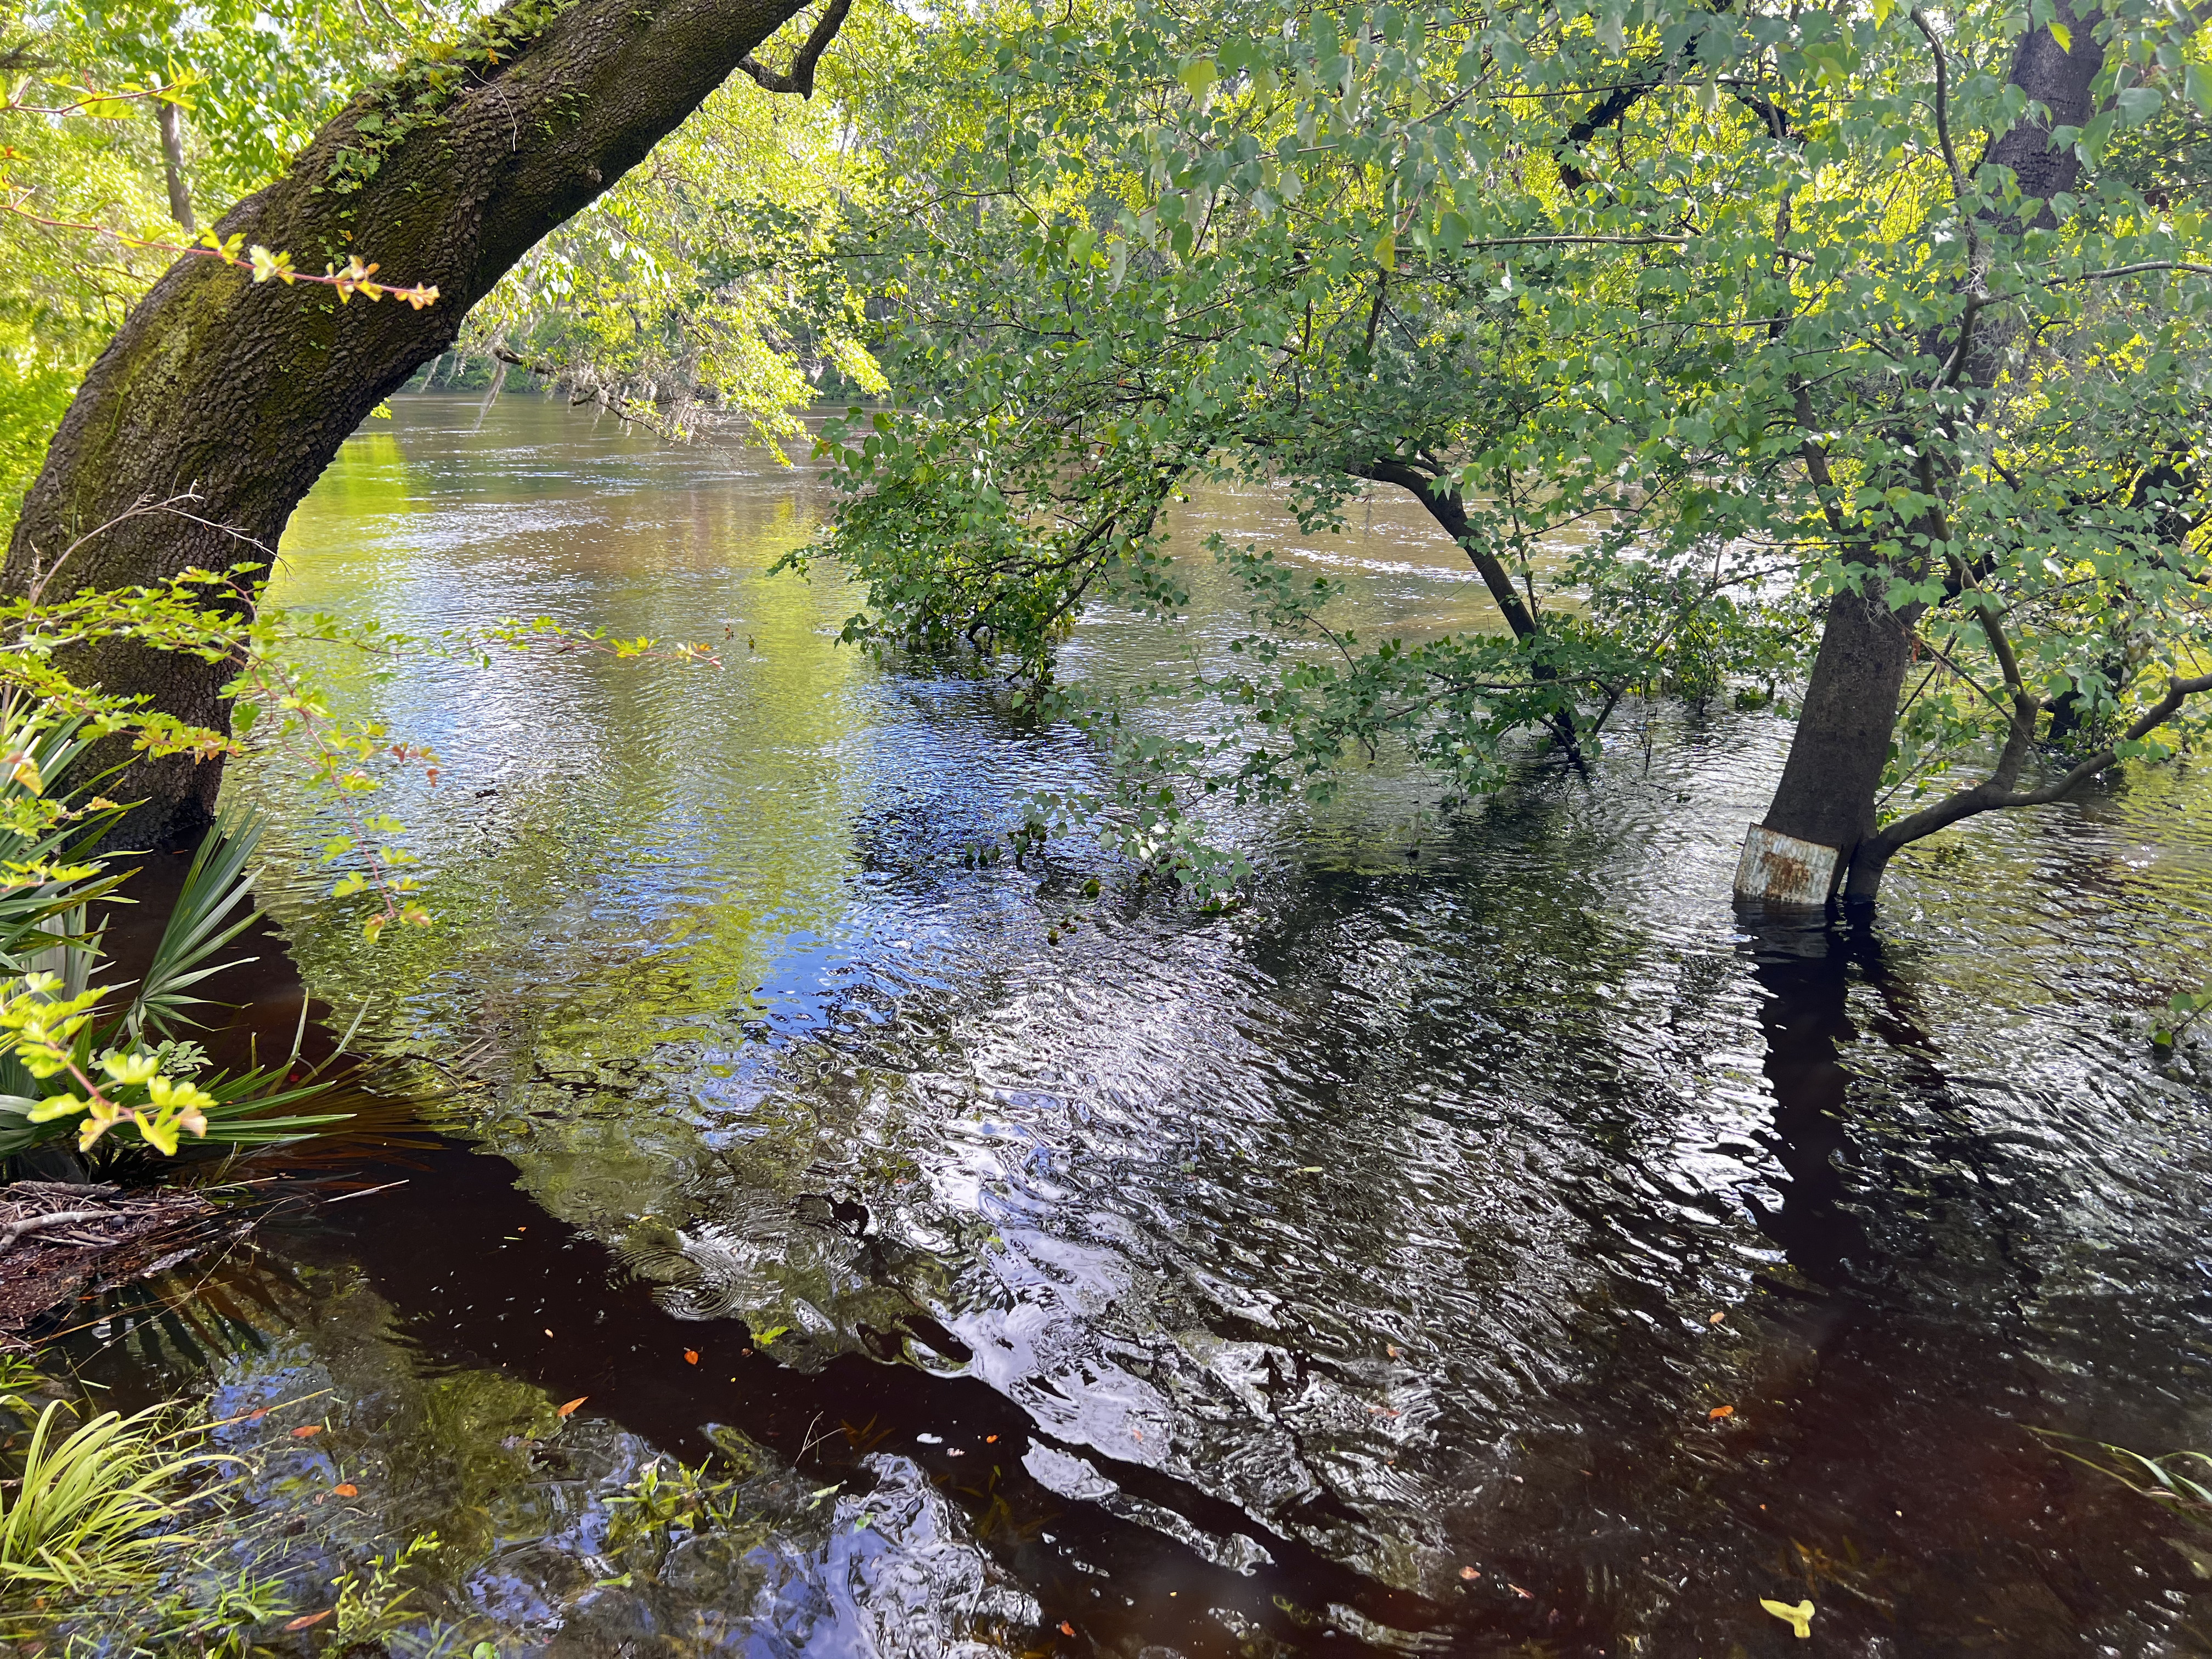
800	79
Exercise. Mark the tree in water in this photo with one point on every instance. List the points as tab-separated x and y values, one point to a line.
1725	295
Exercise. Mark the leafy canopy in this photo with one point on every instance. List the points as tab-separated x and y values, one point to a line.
1714	304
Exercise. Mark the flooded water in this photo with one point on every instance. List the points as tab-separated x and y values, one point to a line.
1485	1241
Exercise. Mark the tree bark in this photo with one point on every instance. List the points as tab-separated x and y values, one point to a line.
1827	795
1997	791
1445	507
242	392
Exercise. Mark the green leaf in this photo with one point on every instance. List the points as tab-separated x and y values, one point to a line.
2138	104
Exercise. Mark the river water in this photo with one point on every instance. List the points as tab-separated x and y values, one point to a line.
1486	1240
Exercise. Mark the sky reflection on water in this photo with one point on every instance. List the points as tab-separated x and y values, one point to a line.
1302	1261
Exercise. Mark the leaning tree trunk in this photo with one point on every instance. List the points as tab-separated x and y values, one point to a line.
1826	800
241	392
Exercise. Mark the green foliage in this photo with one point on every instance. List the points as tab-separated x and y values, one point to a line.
2182	1011
2179	1482
74	1055
88	225
372	1604
709	279
1677	319
664	1506
92	1506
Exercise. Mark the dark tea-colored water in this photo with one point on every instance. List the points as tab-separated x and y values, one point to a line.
1484	1239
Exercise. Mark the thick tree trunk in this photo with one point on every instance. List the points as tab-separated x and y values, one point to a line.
1827	795
242	392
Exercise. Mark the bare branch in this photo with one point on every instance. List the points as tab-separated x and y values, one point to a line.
800	79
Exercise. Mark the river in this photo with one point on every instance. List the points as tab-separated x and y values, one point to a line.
1484	1240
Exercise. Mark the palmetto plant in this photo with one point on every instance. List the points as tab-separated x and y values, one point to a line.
111	1062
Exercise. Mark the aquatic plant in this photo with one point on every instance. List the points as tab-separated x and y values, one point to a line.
371	1602
2179	1482
92	1508
662	1507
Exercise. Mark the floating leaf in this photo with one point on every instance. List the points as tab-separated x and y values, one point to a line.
570	1410
690	1356
306	1432
1799	1618
349	1490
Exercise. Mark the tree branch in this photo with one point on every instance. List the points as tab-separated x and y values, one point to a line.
1445	507
800	80
1995	794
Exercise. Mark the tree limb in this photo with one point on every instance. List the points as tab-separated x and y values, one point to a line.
800	79
1996	793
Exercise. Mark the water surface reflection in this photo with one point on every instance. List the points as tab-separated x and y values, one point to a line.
1364	1268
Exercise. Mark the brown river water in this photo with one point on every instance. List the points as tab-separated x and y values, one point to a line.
1365	1270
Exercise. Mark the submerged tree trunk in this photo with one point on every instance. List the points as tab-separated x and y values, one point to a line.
1827	795
240	393
1829	783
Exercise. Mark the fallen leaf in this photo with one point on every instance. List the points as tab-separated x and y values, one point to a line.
521	1228
1468	1572
690	1356
307	1619
1066	1629
570	1410
1717	1319
990	1439
306	1432
1718	1412
1799	1618
349	1490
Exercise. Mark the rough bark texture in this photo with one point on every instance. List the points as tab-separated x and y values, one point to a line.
243	392
1827	795
1828	785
